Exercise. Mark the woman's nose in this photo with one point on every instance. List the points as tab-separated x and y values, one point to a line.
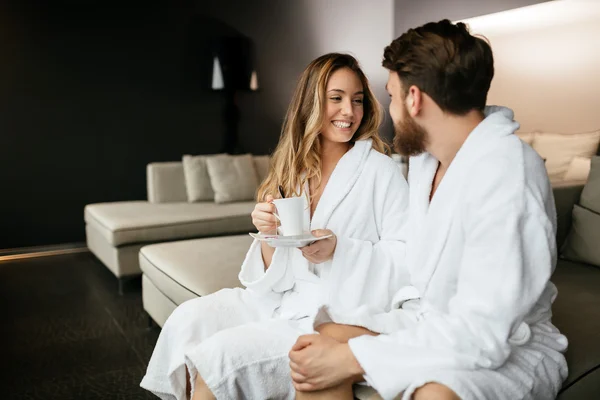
347	108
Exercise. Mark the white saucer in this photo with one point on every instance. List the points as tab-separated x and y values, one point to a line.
288	241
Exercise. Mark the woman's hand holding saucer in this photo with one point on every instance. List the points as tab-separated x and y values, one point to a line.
322	250
263	218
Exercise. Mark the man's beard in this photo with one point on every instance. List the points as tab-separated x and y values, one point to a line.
410	138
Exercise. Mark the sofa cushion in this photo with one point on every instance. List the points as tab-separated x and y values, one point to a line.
566	195
590	197
139	221
559	149
527	137
165	182
187	269
261	164
576	313
582	244
579	169
197	181
233	178
582	241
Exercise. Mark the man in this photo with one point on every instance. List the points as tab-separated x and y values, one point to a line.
481	244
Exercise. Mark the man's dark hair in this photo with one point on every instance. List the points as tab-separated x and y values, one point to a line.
445	61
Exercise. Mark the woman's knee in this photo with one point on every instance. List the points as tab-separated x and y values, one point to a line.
183	313
201	308
434	391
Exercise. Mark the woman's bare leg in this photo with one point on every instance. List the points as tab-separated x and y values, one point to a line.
201	391
188	384
434	391
342	391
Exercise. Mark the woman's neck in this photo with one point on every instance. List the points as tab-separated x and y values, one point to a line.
331	152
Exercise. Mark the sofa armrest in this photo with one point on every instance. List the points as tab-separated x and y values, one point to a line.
566	195
165	182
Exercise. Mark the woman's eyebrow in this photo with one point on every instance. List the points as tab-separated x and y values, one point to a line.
341	91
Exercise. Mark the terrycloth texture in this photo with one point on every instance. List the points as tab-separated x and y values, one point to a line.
481	255
364	204
197	181
165	182
233	178
250	361
234	345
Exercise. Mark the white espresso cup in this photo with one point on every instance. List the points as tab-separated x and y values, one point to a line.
290	213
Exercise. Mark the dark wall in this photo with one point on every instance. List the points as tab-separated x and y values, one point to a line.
89	94
288	35
410	14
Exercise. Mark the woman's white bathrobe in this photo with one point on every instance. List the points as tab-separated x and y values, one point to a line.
481	254
239	339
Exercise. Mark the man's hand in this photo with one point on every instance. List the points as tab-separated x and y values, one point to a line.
343	333
321	250
319	362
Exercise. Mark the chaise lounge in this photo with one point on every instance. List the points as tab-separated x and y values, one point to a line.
116	231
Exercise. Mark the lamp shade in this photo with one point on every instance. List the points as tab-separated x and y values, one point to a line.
217	75
253	81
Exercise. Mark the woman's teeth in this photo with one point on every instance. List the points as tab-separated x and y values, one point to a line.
339	124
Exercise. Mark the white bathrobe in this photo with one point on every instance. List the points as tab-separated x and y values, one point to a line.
481	255
239	339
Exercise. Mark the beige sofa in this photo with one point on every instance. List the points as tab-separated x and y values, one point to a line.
116	231
183	270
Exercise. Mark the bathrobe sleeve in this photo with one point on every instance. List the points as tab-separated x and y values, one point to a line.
508	257
368	274
277	278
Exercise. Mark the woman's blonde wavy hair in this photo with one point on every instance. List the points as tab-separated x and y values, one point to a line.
297	157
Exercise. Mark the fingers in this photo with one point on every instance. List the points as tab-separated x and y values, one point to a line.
304	387
310	250
303	341
321	232
296	377
265	207
298	374
263	218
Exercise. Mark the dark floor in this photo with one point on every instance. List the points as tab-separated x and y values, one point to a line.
68	334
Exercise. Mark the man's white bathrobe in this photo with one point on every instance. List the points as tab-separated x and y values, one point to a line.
239	339
481	255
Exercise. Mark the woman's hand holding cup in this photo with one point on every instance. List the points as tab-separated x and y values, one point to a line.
263	218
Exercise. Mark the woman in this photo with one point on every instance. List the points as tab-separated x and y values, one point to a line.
235	343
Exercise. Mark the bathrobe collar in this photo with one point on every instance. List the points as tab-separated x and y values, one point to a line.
431	221
343	178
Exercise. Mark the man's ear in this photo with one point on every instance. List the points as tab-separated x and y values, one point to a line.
414	101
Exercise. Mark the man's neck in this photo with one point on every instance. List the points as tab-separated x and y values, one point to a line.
449	134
